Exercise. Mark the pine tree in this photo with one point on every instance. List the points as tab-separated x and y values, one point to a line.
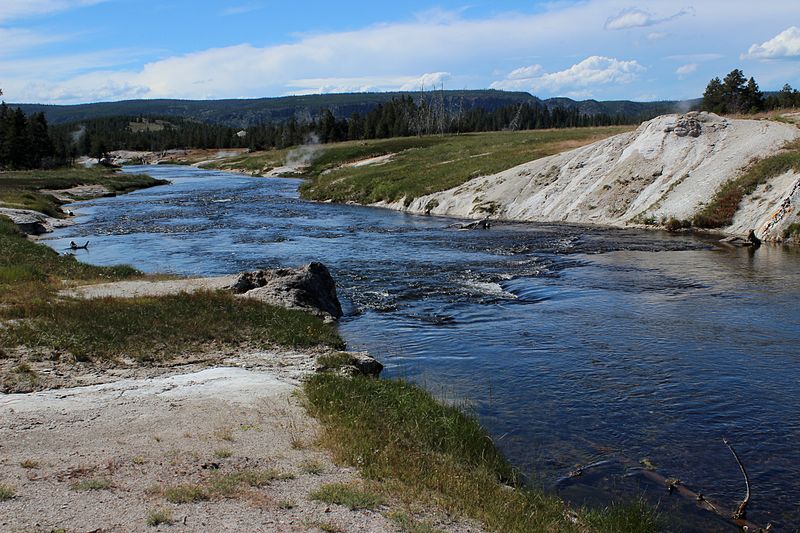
753	98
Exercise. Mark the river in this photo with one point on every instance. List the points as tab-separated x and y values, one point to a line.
572	344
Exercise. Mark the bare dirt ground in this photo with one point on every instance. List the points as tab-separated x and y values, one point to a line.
216	440
104	457
132	289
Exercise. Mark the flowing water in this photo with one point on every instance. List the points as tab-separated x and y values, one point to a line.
572	344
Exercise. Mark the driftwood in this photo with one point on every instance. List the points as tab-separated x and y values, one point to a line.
674	486
752	241
478	224
741	511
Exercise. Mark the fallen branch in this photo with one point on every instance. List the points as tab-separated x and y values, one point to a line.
741	511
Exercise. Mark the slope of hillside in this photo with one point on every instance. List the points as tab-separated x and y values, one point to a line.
249	112
670	167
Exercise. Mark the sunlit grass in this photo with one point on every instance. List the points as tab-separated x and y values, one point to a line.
431	164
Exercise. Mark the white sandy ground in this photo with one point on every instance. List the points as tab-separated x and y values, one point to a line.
650	172
140	288
371	161
144	435
145	428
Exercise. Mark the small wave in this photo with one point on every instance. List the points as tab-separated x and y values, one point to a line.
488	288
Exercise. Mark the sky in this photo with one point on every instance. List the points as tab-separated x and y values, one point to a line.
77	51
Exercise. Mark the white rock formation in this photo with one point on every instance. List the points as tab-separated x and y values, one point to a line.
669	167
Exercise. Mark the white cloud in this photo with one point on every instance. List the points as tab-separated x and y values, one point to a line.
591	72
525	73
392	55
15	40
242	9
365	84
784	45
21	9
637	18
685	70
696	58
431	80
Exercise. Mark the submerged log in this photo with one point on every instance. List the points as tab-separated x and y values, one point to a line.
478	224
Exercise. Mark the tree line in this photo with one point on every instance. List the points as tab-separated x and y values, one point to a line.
25	140
400	117
737	94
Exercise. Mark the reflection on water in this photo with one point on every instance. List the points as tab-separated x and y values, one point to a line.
572	345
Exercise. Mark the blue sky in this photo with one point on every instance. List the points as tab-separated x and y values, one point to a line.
74	51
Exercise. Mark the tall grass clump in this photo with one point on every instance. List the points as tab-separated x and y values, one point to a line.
431	452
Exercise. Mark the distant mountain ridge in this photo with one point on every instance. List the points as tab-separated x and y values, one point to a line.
250	112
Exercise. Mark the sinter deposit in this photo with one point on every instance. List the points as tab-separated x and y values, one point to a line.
670	167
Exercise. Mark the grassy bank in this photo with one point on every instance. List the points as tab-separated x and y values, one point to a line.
419	165
719	212
23	189
422	451
441	163
148	329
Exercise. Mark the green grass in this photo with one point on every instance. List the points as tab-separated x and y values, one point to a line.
185	494
424	451
231	485
92	484
21	189
431	164
159	517
335	360
409	524
223	454
251	162
348	495
723	206
637	516
160	328
7	492
792	232
220	485
30	273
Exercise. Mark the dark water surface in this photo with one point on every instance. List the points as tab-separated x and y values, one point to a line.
572	344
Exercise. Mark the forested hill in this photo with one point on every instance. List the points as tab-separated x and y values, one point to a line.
250	112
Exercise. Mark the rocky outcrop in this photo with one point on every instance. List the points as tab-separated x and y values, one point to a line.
31	222
310	288
669	168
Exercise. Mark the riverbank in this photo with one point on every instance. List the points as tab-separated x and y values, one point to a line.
165	445
698	170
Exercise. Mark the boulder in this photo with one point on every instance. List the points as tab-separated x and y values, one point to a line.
310	288
352	364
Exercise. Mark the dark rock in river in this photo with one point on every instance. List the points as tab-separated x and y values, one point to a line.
310	288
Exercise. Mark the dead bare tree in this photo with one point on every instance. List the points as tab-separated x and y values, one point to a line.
514	126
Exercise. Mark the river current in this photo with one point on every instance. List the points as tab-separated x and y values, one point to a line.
573	345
